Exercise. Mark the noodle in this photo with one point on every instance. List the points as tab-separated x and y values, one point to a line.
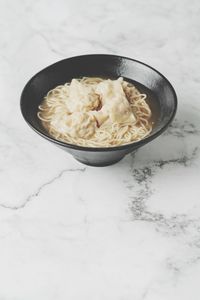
91	127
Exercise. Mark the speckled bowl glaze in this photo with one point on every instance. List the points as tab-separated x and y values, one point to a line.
162	93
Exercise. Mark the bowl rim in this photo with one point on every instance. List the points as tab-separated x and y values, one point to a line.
101	149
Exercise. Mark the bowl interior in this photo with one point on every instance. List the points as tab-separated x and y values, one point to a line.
162	97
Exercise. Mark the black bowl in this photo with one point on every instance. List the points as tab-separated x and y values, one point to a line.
163	100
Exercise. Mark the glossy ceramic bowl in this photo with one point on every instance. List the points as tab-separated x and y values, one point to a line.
163	100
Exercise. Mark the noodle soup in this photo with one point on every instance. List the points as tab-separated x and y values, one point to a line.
97	112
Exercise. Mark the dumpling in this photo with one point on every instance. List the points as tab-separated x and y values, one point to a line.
114	102
82	98
77	125
81	124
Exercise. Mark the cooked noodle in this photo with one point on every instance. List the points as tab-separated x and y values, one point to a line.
54	114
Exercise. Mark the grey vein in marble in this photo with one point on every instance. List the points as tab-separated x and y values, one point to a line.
41	187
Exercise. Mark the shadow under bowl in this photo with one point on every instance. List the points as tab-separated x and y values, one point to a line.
161	95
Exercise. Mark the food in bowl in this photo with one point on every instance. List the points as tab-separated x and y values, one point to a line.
96	112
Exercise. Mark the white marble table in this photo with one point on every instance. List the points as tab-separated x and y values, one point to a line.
126	232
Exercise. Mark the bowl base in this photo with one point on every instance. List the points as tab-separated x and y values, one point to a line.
99	164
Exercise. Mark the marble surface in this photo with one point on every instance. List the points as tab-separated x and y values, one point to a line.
129	231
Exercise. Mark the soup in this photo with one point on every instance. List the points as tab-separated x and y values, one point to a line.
97	112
